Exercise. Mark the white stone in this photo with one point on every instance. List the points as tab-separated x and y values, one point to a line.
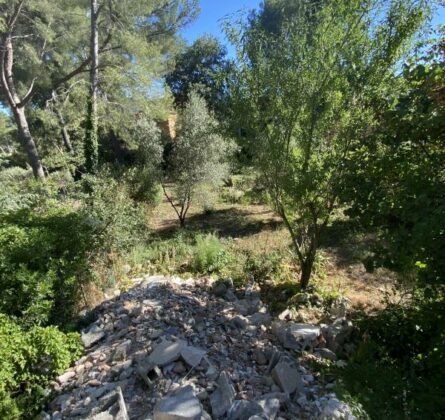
286	377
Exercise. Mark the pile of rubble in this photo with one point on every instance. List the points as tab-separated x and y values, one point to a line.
172	349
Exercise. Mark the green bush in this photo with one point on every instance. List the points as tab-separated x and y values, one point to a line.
398	370
210	255
29	360
44	260
116	217
55	243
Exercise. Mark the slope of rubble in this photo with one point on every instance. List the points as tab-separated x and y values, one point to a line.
172	349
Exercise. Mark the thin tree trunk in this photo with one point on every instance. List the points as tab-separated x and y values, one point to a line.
28	142
91	141
65	135
306	270
17	107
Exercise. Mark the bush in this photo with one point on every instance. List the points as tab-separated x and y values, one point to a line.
210	254
44	260
29	360
53	243
398	370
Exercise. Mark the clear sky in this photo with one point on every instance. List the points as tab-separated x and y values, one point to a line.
212	11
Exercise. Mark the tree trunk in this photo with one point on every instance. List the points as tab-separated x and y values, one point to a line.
65	135
28	143
306	271
17	107
91	141
307	263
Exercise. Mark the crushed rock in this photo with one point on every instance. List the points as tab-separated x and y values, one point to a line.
178	349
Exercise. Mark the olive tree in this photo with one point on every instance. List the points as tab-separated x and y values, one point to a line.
199	155
304	89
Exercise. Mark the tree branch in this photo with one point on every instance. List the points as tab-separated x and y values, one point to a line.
81	68
171	201
15	16
28	95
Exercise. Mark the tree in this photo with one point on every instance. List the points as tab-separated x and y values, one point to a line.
132	24
199	155
396	183
91	143
39	54
203	67
303	93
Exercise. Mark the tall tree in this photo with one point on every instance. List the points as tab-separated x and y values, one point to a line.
304	92
91	141
15	101
39	53
202	67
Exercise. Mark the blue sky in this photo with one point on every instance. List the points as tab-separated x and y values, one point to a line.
212	11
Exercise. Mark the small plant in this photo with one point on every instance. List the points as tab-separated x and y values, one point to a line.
210	254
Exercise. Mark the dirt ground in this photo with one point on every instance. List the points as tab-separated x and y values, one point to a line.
258	229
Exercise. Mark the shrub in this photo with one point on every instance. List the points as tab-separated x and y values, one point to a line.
398	370
115	216
54	244
44	260
210	254
29	360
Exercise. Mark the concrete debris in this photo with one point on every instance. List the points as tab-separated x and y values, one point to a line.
173	349
181	405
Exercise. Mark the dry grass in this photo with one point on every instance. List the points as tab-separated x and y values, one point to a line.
257	230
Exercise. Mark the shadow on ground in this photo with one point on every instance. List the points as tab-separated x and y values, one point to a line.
227	223
347	240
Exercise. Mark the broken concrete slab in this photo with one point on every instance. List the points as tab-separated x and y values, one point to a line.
192	355
297	337
166	352
222	398
180	405
287	377
242	409
110	407
93	335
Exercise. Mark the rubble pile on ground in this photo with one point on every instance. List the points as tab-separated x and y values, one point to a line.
173	349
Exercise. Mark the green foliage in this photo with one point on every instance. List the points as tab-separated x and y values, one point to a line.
202	67
145	177
50	249
44	260
118	220
397	372
168	256
210	255
199	155
29	360
397	183
302	91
